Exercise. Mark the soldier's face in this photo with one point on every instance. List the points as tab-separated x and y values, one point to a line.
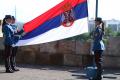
13	21
97	23
9	21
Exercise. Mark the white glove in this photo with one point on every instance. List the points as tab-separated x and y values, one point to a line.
13	45
19	36
23	33
92	52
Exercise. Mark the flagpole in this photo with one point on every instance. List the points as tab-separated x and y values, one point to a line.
15	12
96	12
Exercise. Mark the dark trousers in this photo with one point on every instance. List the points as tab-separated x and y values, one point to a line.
10	54
13	57
98	61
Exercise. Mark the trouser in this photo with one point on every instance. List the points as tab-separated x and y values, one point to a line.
13	57
98	61
10	54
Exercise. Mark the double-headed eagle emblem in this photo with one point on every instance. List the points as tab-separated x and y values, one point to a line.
68	16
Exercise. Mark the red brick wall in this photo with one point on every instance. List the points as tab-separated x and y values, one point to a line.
64	52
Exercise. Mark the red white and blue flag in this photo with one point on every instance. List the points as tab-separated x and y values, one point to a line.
67	19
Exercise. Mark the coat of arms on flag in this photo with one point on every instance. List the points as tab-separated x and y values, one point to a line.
68	16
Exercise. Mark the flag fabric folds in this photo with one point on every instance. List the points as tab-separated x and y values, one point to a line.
67	19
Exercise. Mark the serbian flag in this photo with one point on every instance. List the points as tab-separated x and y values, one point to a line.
66	19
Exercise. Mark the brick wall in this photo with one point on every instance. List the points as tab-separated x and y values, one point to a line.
71	53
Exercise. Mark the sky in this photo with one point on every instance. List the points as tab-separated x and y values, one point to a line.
26	10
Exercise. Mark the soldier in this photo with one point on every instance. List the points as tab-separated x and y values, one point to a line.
8	41
98	46
11	37
14	48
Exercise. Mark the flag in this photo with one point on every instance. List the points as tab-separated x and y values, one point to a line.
67	19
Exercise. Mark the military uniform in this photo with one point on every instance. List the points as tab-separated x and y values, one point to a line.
14	49
8	36
98	48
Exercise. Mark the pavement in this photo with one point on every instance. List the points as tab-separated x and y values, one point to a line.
38	72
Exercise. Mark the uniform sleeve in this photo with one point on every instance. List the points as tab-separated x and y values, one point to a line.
7	34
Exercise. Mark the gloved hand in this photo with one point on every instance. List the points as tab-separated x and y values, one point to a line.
92	53
18	36
23	34
13	45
